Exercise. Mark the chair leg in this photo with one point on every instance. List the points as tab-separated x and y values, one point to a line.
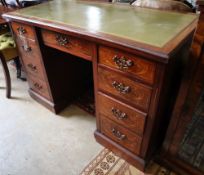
7	76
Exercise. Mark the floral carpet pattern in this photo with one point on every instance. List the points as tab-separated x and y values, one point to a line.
107	163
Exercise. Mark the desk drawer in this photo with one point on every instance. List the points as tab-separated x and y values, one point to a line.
70	44
31	56
122	87
120	135
142	69
39	86
23	30
121	113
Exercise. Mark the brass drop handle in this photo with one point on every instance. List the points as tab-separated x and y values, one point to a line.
27	48
32	67
119	114
121	87
62	40
122	62
37	86
118	134
21	30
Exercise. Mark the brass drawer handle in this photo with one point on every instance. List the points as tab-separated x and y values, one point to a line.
118	134
121	87
27	48
38	86
119	114
32	67
122	62
62	40
21	30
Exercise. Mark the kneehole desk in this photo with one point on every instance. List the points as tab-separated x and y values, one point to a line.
132	56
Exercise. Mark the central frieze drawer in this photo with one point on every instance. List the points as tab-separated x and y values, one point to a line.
121	113
31	56
70	44
124	88
121	135
125	62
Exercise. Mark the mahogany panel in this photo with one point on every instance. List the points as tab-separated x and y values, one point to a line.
125	62
39	86
121	135
31	56
23	30
122	87
122	114
69	44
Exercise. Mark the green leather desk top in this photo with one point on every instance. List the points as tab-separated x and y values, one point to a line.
146	26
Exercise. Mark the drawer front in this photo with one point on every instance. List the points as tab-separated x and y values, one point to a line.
23	30
39	86
121	113
125	88
31	57
121	135
142	69
70	44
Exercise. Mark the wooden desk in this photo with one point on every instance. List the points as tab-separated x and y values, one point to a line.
134	54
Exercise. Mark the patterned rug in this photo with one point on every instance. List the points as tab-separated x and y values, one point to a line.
107	163
192	146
